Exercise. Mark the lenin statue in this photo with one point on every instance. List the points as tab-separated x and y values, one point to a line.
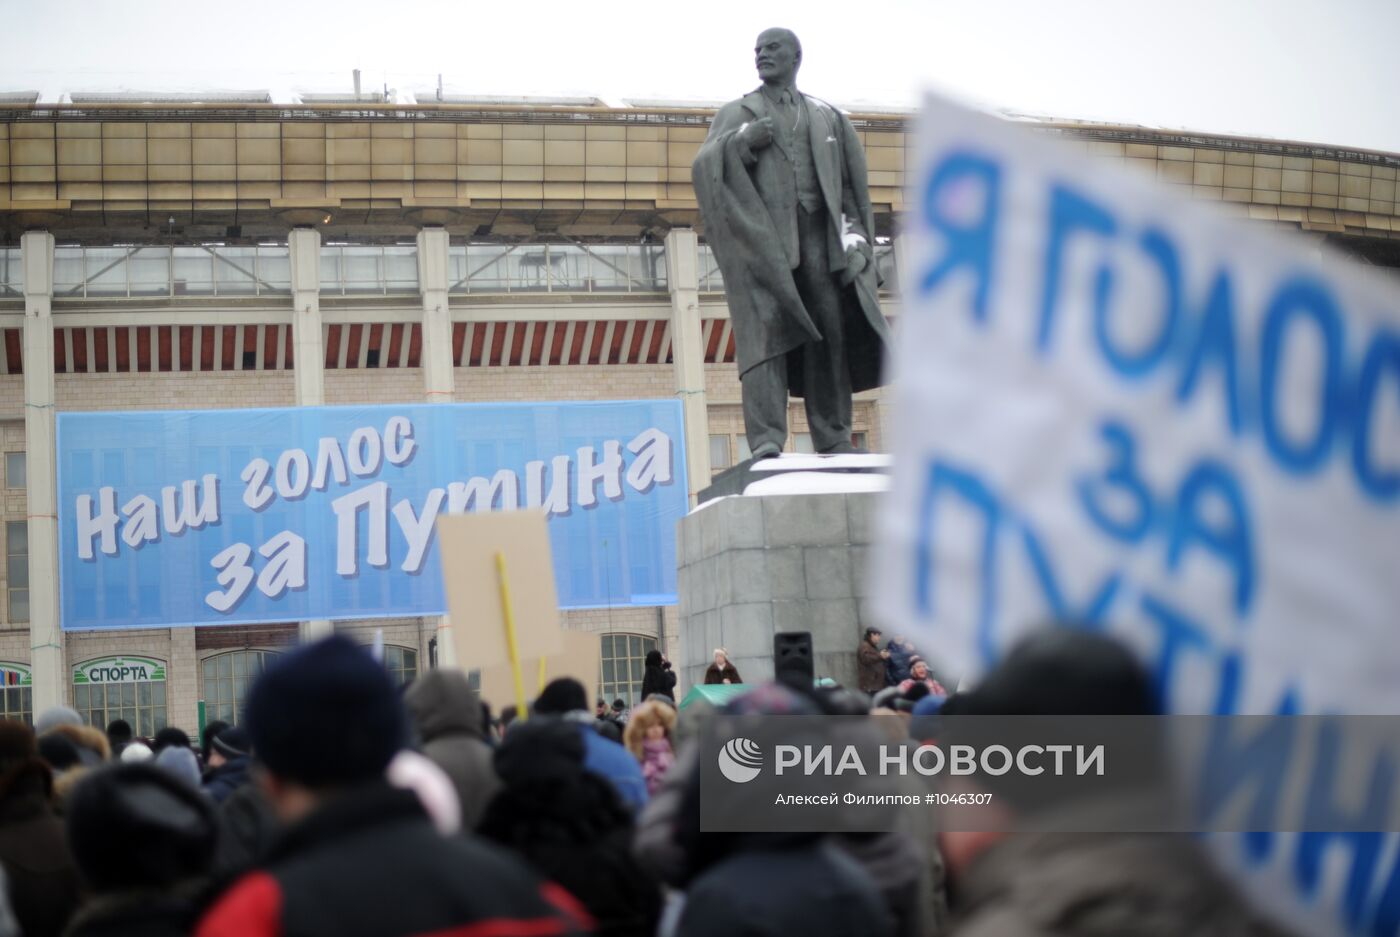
782	189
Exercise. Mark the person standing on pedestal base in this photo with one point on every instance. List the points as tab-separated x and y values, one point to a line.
782	188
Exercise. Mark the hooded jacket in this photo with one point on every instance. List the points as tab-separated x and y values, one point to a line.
448	717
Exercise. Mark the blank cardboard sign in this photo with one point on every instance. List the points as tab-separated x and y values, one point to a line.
578	659
469	544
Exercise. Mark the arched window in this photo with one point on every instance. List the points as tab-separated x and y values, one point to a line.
623	663
402	664
17	697
127	687
227	679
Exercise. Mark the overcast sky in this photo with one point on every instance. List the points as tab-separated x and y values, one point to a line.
1325	71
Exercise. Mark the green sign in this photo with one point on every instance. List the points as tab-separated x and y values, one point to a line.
119	670
15	675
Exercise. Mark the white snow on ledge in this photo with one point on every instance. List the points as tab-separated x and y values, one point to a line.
797	462
818	483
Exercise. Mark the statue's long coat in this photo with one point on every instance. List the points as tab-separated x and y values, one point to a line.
749	204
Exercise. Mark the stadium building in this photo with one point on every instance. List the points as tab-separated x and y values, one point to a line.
232	252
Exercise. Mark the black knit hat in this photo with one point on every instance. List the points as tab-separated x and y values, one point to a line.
136	826
231	743
1063	672
538	750
325	715
562	696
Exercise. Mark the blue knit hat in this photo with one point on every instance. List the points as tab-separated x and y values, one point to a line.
326	715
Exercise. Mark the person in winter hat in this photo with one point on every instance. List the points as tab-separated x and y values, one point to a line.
901	658
658	677
229	763
325	721
59	753
33	851
169	736
206	739
136	751
56	716
648	738
143	841
721	670
179	762
119	734
1035	879
571	826
566	700
871	675
766	882
919	674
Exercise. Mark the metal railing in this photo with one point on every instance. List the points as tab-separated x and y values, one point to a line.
364	270
556	268
11	273
137	272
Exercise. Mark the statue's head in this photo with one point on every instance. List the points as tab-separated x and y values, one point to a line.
778	55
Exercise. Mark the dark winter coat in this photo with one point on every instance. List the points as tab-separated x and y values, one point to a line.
247	830
870	668
657	680
572	827
815	891
228	777
900	659
368	863
749	203
44	888
715	674
448	717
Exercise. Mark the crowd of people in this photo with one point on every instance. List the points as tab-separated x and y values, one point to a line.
340	805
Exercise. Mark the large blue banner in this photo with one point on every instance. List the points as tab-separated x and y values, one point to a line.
238	516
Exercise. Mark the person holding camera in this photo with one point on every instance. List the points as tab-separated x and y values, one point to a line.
659	677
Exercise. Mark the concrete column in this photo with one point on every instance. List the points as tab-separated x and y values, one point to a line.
688	353
308	350
439	383
45	638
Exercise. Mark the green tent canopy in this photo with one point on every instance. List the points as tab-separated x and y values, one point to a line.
716	694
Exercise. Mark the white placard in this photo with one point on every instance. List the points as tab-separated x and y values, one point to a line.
1117	406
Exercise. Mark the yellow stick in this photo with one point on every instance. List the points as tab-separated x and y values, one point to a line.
521	709
541	673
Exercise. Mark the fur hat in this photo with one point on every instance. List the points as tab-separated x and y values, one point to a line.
325	715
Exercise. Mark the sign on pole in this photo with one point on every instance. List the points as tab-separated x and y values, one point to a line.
470	545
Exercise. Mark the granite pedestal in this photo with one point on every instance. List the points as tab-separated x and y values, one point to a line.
751	566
